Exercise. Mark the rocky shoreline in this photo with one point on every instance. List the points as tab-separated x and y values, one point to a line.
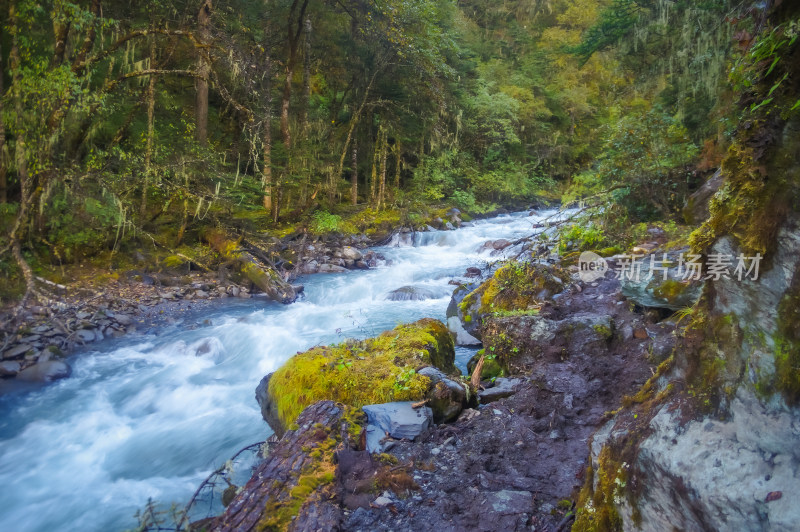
559	356
35	348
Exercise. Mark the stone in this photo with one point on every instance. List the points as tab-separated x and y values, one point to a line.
399	419
696	209
48	371
651	290
86	335
331	268
123	319
16	351
447	397
9	368
351	253
501	244
472	272
502	387
381	502
460	334
411	293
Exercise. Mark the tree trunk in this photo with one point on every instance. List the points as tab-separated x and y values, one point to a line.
151	104
3	169
354	174
373	181
382	184
306	76
398	161
266	138
353	122
293	40
21	159
203	69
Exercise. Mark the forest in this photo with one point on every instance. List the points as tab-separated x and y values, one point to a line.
505	197
128	123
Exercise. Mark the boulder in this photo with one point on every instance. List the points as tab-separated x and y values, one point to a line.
460	334
653	291
500	244
447	397
357	373
48	371
291	488
411	293
9	368
517	287
351	253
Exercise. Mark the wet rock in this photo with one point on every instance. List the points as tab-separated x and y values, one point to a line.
460	334
502	388
86	335
9	368
411	293
472	272
210	347
48	371
16	351
500	244
331	268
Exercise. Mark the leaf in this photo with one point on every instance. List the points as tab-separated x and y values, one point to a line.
796	105
755	107
774	62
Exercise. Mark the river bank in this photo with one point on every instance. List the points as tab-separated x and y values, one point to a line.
104	304
150	415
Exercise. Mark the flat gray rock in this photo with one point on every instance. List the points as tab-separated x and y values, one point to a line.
399	419
502	388
46	371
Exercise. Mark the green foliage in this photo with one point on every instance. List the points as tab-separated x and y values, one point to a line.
325	222
580	237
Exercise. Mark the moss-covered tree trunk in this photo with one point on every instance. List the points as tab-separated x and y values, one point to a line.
203	70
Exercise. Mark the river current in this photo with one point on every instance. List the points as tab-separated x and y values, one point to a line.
147	417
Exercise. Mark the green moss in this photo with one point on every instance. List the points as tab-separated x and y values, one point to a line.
669	289
603	331
173	261
377	370
515	287
308	484
787	346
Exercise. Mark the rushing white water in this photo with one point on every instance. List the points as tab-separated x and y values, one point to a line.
146	417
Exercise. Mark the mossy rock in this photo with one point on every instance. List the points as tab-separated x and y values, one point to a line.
491	367
357	373
515	287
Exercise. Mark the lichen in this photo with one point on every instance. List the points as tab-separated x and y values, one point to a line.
376	370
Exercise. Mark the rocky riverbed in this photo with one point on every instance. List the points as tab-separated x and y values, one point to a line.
514	459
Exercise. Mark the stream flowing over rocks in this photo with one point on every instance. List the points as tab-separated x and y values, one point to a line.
151	412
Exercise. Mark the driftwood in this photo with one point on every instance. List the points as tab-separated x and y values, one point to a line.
264	277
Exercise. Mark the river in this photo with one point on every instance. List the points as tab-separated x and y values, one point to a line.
146	417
